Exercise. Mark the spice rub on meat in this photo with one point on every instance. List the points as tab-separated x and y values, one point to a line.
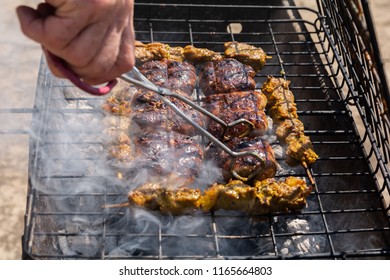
266	196
289	130
246	54
263	197
200	55
165	199
233	106
224	76
156	51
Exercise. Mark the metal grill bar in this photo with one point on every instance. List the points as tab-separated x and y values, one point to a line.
327	86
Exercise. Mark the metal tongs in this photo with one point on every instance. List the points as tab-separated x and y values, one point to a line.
136	78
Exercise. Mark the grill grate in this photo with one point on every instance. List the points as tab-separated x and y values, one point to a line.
337	94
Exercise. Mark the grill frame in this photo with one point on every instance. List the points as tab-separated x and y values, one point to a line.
347	103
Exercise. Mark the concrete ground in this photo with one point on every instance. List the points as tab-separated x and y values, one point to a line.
19	59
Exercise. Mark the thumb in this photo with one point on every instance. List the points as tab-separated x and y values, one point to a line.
31	23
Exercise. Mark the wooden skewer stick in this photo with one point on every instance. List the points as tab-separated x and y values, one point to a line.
119	205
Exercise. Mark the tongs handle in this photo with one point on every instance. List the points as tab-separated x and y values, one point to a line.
137	78
71	76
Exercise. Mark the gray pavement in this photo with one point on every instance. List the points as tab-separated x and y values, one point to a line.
20	58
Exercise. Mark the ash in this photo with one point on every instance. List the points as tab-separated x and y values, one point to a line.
301	244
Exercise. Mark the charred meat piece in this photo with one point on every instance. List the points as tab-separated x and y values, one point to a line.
289	130
200	55
167	200
233	106
247	54
267	196
156	51
168	153
150	111
238	100
226	76
247	167
174	75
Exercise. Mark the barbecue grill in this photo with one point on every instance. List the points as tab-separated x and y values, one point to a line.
331	58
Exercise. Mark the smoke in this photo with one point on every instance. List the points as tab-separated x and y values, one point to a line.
72	178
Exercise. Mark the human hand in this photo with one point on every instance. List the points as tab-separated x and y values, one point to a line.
94	37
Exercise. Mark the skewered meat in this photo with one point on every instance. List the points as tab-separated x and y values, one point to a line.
299	149
267	196
123	152
247	54
230	107
119	103
247	166
281	105
200	55
150	111
174	75
169	153
277	91
289	129
168	200
156	51
225	76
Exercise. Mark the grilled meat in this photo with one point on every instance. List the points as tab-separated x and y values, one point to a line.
247	167
168	153
289	129
156	51
122	152
200	55
174	75
246	54
119	103
277	91
299	149
226	76
150	111
233	106
167	200
281	105
267	196
282	111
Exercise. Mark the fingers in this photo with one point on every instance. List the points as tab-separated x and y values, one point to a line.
55	71
95	38
45	10
31	23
